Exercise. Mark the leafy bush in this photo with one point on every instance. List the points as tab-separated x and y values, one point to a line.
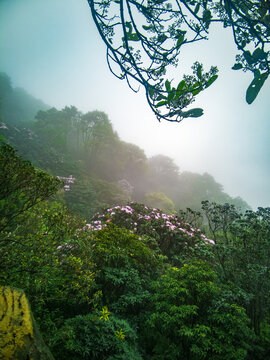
175	239
100	335
125	266
191	318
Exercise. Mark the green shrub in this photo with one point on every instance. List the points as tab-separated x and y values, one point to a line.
96	336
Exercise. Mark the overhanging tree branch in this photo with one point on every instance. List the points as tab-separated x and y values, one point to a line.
144	38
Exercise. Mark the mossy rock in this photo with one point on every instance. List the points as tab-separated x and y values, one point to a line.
19	336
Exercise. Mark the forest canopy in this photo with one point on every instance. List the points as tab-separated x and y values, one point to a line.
134	282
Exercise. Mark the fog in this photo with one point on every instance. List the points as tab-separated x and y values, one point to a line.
52	49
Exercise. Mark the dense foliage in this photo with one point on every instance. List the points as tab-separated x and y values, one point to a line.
134	282
135	279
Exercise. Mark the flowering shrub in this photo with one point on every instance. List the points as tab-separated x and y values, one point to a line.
172	235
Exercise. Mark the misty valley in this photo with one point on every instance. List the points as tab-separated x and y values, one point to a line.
108	254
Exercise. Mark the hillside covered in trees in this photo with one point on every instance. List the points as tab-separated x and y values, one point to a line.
114	267
106	253
96	235
133	282
105	170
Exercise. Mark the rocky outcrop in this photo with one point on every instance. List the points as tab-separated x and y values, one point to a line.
19	336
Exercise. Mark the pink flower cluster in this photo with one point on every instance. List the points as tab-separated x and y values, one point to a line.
63	251
96	225
142	219
127	209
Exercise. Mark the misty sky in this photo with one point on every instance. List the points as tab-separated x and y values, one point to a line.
52	49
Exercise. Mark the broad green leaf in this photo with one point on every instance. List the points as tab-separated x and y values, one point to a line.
133	37
161	38
181	85
168	85
180	33
237	66
180	40
197	8
199	71
259	54
196	112
160	97
164	102
147	27
196	92
255	87
211	80
248	57
171	96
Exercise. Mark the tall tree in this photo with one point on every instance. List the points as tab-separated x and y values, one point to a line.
242	253
192	319
21	186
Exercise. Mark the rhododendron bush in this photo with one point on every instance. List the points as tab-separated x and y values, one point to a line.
162	231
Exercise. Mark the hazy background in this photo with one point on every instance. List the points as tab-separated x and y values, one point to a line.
52	49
